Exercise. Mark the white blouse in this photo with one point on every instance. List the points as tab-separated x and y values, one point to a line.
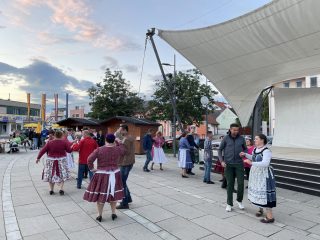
266	159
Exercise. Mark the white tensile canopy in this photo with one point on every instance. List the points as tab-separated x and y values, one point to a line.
243	56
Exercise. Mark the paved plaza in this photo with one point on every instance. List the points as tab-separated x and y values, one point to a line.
165	206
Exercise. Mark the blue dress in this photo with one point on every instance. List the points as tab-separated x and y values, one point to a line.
184	154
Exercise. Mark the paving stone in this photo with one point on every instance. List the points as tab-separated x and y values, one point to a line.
31	210
154	213
35	225
75	222
249	236
315	230
91	233
185	211
289	235
160	200
183	229
313	217
254	224
133	231
15	235
64	208
107	222
218	226
294	221
215	210
51	235
212	237
166	236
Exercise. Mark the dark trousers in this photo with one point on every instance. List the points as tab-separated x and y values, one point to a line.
83	168
232	172
247	170
125	170
148	159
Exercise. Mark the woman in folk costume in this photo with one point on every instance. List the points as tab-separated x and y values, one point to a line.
56	166
185	161
262	185
106	184
158	154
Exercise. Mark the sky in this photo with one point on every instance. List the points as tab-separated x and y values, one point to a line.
64	46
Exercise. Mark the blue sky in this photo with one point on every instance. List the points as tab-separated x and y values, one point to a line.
63	45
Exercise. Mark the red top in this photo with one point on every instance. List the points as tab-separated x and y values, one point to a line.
158	142
108	157
85	147
56	148
250	150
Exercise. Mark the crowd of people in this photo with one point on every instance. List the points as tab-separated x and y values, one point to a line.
114	155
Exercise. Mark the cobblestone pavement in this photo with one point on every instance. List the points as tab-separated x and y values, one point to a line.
165	206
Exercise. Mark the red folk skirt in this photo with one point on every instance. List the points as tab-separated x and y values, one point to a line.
218	167
105	186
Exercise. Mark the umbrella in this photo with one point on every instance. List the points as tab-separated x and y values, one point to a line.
55	126
38	129
31	125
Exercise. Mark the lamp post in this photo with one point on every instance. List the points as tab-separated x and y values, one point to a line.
174	130
205	101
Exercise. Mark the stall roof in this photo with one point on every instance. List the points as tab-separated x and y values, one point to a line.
78	122
137	121
243	56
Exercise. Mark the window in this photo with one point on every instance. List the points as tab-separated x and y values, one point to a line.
77	107
299	84
313	82
286	84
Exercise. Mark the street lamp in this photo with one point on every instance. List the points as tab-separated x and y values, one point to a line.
174	108
205	101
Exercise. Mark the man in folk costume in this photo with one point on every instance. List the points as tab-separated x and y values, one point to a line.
194	146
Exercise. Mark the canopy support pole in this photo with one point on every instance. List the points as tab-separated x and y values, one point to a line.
168	84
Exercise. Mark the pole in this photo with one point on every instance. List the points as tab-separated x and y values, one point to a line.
67	105
149	35
207	112
174	109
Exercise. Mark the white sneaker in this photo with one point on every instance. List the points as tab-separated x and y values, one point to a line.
240	205
228	208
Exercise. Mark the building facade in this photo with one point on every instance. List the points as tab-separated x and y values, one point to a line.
14	114
77	112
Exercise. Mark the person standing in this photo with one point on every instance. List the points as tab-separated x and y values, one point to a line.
147	147
101	140
230	148
185	161
106	184
262	185
208	158
193	147
85	147
158	154
126	163
56	167
247	166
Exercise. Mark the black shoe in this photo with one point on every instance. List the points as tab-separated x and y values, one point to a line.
191	173
184	176
51	192
123	207
204	181
246	187
235	191
146	170
61	192
85	177
221	180
78	187
114	216
130	201
210	182
99	218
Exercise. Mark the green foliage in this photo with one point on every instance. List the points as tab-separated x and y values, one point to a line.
189	91
112	97
265	108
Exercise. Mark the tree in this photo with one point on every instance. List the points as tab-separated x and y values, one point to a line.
112	97
189	91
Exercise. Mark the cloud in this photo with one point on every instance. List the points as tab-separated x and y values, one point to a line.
49	38
42	77
75	17
113	64
131	68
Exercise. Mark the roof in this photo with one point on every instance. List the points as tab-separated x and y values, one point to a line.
10	103
243	56
78	122
212	119
137	121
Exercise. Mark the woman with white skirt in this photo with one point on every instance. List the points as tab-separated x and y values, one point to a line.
158	154
185	161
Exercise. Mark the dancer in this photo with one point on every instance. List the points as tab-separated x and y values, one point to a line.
147	147
158	154
192	137
208	158
56	167
185	161
262	185
247	166
106	184
230	147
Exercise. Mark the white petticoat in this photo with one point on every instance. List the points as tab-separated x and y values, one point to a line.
70	160
159	156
